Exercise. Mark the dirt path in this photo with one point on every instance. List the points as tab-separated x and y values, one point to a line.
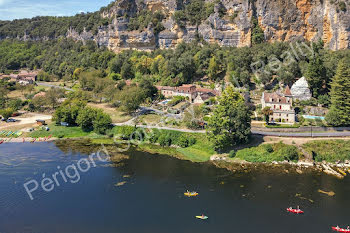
25	120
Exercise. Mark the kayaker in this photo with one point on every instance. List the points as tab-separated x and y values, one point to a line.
348	228
298	208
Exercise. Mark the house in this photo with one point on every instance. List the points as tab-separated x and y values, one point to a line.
201	98
281	105
187	90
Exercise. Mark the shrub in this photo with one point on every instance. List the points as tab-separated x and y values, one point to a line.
182	141
125	131
232	154
164	140
191	141
268	148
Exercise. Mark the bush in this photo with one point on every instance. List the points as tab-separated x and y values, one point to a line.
232	154
125	132
268	148
164	140
182	141
102	122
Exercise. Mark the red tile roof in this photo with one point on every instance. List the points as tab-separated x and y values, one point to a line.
287	92
276	98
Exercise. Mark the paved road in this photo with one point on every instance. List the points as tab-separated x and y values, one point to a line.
278	134
303	134
55	86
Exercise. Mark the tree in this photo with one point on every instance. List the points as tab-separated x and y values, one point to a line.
102	122
257	33
6	113
52	96
339	114
130	98
69	111
86	118
126	70
316	76
148	88
267	112
213	68
230	122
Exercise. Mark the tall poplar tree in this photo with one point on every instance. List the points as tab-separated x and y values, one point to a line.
339	114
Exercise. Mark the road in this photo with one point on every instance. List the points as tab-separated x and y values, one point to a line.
303	134
263	133
55	86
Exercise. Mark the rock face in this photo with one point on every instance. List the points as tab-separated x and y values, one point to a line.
300	90
281	20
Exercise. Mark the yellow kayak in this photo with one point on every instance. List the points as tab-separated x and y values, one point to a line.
341	171
191	194
202	217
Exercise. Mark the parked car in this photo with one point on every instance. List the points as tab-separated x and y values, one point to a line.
64	124
11	120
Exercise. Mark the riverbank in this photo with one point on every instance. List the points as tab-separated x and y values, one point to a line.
196	147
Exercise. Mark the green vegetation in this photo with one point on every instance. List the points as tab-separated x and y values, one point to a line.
146	17
269	153
175	100
329	150
52	27
191	146
194	13
230	123
63	132
257	33
75	112
266	113
282	126
339	114
6	112
57	57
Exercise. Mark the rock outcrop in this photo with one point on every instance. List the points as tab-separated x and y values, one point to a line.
300	90
280	20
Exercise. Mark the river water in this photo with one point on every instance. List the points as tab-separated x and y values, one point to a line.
152	198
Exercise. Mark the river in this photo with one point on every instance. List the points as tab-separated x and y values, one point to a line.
152	198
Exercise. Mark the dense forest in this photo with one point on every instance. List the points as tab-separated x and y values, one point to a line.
186	64
52	27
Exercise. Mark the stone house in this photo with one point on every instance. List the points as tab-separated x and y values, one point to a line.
281	105
194	94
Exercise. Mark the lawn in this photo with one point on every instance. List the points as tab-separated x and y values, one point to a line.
149	119
200	151
117	115
63	132
269	153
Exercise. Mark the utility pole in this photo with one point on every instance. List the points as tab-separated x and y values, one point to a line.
311	130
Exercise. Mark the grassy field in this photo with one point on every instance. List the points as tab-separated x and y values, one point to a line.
63	132
116	115
269	153
149	119
328	150
200	151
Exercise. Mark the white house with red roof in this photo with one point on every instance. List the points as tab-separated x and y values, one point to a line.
281	105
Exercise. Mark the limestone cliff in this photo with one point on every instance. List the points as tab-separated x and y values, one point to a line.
281	20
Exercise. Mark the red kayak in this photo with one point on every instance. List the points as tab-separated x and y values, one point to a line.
338	229
2	141
295	211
